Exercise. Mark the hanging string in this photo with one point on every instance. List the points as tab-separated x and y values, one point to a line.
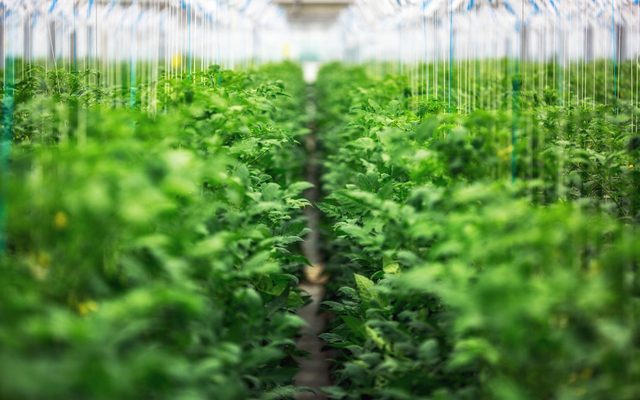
74	39
517	83
132	64
614	56
451	44
426	55
5	142
188	40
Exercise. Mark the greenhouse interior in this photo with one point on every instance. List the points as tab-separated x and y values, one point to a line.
320	199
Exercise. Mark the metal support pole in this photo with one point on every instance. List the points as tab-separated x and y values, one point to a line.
73	47
27	50
91	42
588	43
524	43
621	36
51	30
162	44
2	40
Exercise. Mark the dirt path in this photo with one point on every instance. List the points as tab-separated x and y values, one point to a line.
314	370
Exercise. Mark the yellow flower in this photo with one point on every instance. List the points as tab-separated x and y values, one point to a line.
39	264
176	61
505	153
60	220
43	259
87	307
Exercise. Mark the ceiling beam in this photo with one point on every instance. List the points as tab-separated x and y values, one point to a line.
303	12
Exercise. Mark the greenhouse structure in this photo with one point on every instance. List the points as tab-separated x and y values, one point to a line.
320	199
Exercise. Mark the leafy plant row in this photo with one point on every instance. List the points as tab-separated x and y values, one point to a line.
153	256
476	84
489	255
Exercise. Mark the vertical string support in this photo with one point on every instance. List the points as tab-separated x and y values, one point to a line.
560	58
426	52
132	67
188	41
451	45
5	143
74	39
516	87
399	33
614	50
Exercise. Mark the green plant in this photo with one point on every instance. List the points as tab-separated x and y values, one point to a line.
155	255
449	280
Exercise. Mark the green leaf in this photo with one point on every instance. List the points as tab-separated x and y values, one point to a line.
365	143
391	268
261	263
355	325
373	104
298	187
474	349
366	288
271	192
376	338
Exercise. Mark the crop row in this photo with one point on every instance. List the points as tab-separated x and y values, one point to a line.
153	255
491	254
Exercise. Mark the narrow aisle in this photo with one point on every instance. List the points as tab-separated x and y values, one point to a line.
314	370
